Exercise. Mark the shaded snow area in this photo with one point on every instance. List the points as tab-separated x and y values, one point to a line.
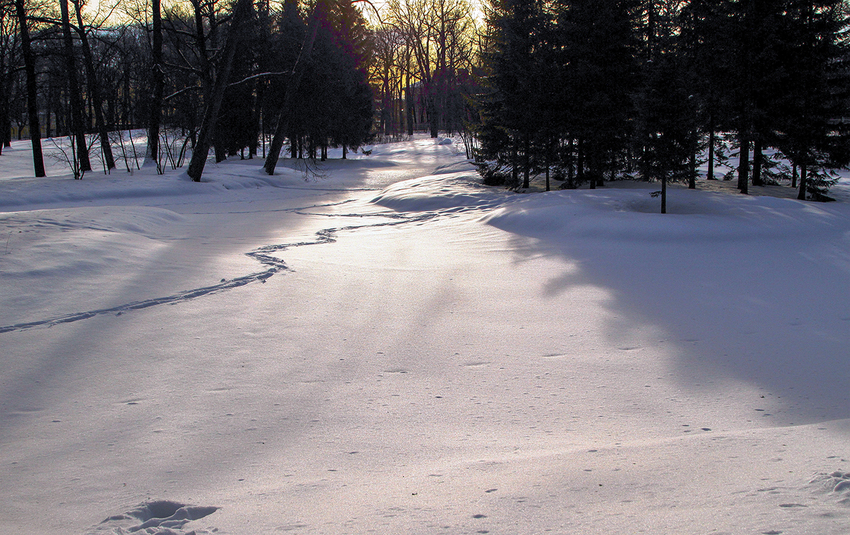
390	347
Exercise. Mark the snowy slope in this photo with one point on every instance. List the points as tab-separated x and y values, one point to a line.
394	348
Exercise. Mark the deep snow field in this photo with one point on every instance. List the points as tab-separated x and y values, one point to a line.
395	349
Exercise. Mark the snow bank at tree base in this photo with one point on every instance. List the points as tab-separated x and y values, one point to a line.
396	349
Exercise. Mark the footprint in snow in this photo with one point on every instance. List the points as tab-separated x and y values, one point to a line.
835	484
161	516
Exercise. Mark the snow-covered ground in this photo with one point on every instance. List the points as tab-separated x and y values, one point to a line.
395	349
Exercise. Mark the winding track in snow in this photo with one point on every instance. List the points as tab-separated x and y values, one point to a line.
264	255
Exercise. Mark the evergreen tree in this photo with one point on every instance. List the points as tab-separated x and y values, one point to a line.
321	85
667	134
815	101
326	99
667	123
511	105
241	12
600	74
287	42
352	118
706	45
236	128
757	76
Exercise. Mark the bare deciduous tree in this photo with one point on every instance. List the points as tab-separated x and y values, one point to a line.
32	88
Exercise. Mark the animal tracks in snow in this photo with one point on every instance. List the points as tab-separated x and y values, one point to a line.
138	305
264	255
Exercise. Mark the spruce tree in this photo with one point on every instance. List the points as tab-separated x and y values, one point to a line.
599	75
666	119
706	45
352	118
286	48
510	106
758	77
815	101
667	130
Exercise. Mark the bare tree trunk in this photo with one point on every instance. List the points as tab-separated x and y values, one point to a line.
207	132
158	84
253	143
757	162
580	174
291	91
592	164
433	115
514	163
32	91
5	120
77	120
744	165
710	175
526	164
411	118
94	91
692	174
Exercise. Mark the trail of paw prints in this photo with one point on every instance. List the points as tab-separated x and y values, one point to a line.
264	255
160	517
147	303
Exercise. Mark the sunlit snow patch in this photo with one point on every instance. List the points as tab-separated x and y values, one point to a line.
444	191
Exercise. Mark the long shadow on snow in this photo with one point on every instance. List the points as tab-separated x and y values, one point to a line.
765	303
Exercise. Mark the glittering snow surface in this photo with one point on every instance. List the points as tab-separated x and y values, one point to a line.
393	348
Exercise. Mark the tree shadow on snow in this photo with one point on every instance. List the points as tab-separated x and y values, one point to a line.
757	292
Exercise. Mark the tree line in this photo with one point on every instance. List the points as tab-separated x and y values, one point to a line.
200	74
591	90
426	66
305	73
582	90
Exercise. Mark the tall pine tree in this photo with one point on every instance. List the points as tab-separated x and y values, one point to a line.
511	111
599	70
706	45
815	101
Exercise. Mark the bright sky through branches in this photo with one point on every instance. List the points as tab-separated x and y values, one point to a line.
100	8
